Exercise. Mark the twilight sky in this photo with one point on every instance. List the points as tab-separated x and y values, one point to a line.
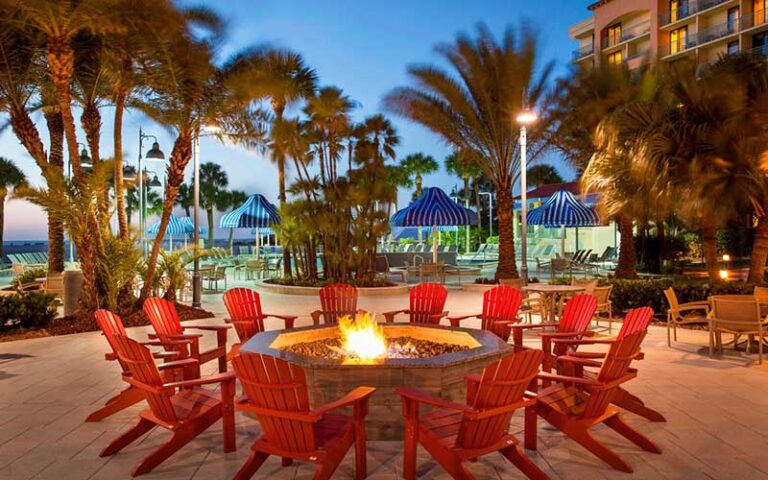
362	47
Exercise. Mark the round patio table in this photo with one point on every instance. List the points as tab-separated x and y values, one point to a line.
549	292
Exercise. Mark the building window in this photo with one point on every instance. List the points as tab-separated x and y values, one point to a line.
733	47
733	19
759	7
677	9
614	34
615	58
677	39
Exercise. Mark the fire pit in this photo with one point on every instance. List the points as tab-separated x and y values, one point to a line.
337	359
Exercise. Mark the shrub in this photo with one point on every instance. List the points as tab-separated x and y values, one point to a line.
29	276
27	310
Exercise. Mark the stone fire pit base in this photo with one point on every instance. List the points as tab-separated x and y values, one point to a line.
442	375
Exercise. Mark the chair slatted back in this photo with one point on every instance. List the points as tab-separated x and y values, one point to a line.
427	300
578	312
144	370
674	304
338	300
502	383
635	321
244	308
163	317
274	384
500	303
616	364
110	325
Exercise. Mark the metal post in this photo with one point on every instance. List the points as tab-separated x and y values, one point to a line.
71	243
524	207
466	205
490	214
141	195
196	280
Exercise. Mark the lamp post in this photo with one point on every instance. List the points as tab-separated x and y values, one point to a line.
154	153
490	212
525	118
87	163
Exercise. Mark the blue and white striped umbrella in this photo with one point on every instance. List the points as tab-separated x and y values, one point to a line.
191	225
433	207
562	209
256	212
176	226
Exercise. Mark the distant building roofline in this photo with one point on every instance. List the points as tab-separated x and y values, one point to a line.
597	4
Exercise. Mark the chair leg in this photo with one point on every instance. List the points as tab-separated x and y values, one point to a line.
623	429
361	461
252	465
586	440
125	439
409	451
610	319
633	404
178	440
515	455
126	398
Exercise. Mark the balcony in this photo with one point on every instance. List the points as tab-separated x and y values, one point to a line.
754	19
714	32
687	10
583	52
679	46
627	34
761	50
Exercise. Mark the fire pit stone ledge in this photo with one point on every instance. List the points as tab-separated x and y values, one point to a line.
441	375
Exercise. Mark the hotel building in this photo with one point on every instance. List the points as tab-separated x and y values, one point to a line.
638	31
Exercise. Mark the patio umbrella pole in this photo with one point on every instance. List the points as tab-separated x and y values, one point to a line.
258	244
434	244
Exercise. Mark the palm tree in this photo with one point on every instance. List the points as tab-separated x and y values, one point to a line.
234	199
11	177
543	175
471	108
213	194
328	112
418	164
186	198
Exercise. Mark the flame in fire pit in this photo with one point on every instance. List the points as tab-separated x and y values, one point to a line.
363	337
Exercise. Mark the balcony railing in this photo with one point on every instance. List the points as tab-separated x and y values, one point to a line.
761	50
688	9
628	34
584	51
679	46
714	32
754	19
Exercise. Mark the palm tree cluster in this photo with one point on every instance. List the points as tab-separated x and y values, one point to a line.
675	143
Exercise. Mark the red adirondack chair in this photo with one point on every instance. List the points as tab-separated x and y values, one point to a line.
184	408
276	392
336	300
636	320
165	321
500	307
455	433
427	301
245	314
577	404
574	323
110	325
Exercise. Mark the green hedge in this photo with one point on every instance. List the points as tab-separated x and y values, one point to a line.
27	310
628	294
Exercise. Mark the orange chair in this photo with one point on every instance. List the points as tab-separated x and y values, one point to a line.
576	404
336	300
454	433
500	308
165	321
184	408
427	301
276	392
246	315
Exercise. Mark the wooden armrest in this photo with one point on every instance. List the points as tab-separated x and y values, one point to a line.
508	323
566	379
583	341
578	361
316	316
421	397
357	395
438	315
166	343
219	378
463	317
288	319
210	328
110	357
165	354
554	335
299	416
492	412
527	326
389	317
182	336
178	364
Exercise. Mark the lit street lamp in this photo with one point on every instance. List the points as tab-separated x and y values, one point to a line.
87	163
153	153
525	118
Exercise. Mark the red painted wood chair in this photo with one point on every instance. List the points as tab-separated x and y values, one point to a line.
246	315
165	321
427	301
635	321
454	433
575	321
110	325
336	300
577	404
276	391
500	308
184	407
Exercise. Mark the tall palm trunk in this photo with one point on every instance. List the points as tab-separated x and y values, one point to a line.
3	194
278	108
211	236
122	219
507	265
180	156
231	241
90	120
627	263
56	163
708	234
759	252
476	185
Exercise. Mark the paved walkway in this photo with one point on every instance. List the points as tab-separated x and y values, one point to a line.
717	411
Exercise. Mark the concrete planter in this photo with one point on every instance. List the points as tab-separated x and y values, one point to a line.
397	289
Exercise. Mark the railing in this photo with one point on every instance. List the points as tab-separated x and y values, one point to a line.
679	46
687	9
642	53
761	50
628	34
584	51
754	19
714	32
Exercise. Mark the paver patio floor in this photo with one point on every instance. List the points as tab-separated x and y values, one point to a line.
717	411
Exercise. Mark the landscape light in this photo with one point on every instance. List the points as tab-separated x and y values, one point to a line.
526	117
726	258
724	274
